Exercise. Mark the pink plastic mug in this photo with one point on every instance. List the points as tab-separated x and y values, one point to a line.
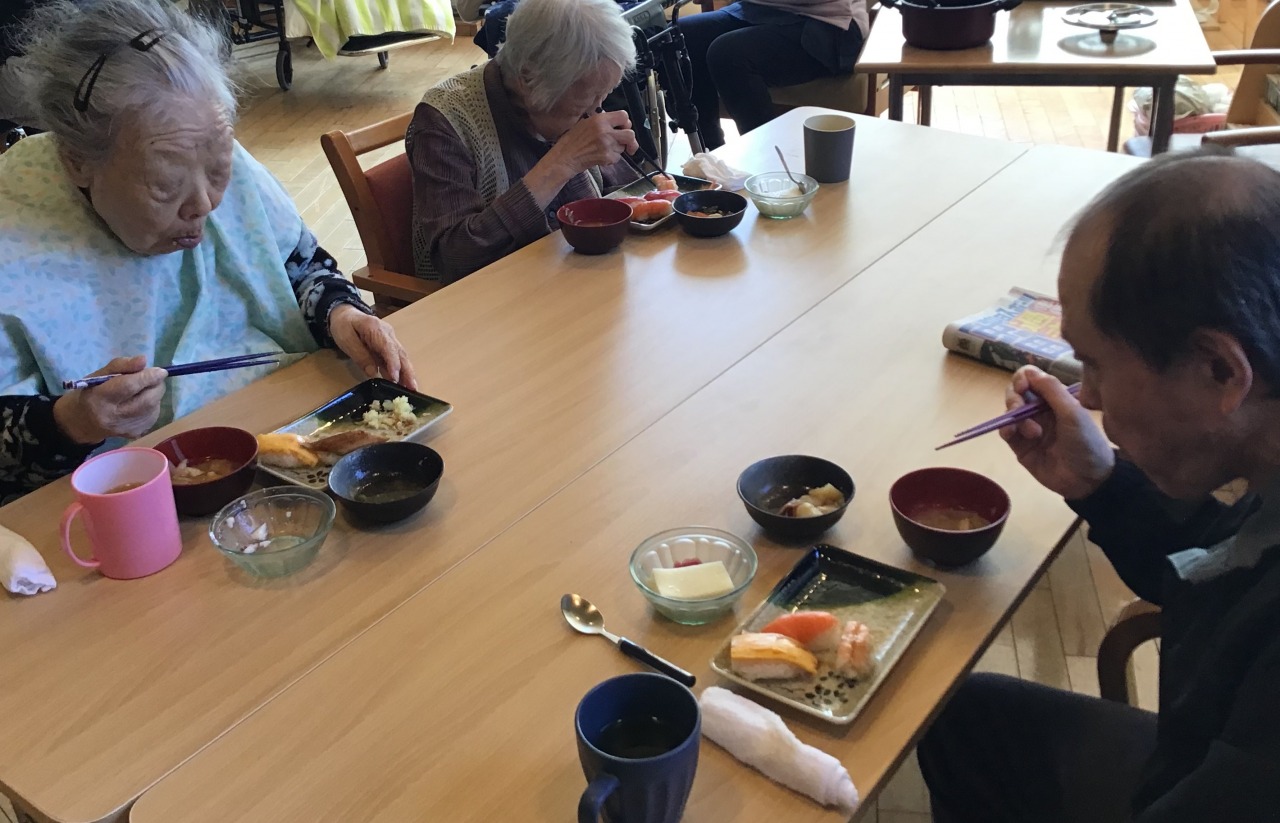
126	498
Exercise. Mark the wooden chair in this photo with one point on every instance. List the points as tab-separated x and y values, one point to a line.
1138	622
381	201
855	93
1248	105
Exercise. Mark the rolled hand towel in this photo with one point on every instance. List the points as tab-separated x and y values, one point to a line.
710	167
759	738
22	569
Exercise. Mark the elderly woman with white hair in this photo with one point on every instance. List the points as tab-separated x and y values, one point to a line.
495	151
138	231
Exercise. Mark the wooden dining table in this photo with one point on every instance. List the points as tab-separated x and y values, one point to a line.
459	705
1034	46
554	361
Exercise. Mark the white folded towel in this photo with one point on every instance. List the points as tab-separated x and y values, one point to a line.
759	738
710	167
22	569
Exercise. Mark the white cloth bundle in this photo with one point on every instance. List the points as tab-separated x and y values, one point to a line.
710	167
759	738
22	569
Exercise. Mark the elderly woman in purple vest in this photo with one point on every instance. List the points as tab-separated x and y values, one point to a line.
748	47
496	150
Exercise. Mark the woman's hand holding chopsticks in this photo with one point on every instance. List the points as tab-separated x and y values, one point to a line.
127	405
1063	448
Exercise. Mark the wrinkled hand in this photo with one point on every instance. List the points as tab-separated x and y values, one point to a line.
124	406
372	344
598	140
1063	447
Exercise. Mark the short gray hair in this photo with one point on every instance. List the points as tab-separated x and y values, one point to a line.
553	44
63	42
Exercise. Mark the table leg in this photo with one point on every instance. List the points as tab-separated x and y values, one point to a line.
1117	108
924	106
895	97
1162	117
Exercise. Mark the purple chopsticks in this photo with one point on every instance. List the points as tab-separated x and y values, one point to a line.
240	361
1006	419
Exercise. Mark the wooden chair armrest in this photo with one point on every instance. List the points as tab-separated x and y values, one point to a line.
385	283
1259	136
1138	622
1247	57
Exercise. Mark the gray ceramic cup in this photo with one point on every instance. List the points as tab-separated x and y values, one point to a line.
828	147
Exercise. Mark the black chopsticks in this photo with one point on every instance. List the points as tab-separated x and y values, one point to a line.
240	361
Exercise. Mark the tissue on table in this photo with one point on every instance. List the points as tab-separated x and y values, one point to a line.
759	738
22	569
710	167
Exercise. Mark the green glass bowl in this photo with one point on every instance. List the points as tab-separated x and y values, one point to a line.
273	532
765	191
667	548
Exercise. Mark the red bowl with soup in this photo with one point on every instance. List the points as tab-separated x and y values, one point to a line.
209	467
949	517
594	226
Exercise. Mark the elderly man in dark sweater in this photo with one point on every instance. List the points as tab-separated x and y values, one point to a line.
1170	287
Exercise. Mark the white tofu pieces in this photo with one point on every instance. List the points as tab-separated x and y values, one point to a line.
700	582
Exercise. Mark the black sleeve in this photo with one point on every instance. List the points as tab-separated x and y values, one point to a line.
319	286
1138	527
33	451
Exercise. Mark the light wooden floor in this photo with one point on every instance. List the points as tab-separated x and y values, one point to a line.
1055	634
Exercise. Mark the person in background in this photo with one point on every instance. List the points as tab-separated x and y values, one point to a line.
741	51
138	231
496	150
1170	287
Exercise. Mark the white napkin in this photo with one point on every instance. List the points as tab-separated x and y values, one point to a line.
22	569
759	738
710	167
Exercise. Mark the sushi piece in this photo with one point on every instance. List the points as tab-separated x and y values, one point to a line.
664	182
649	210
853	652
662	194
770	657
816	631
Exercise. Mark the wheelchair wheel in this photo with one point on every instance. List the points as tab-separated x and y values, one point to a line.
284	68
658	119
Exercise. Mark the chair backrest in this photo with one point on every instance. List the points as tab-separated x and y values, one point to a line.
1252	88
381	198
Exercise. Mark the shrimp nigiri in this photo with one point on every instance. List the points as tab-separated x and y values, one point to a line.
816	631
853	652
664	182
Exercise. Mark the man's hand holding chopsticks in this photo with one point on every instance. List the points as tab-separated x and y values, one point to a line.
1063	448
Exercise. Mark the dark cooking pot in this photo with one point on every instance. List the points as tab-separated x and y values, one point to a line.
949	24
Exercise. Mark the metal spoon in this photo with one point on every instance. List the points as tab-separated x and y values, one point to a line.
586	618
787	169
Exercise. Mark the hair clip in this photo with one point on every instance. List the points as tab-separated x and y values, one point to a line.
143	42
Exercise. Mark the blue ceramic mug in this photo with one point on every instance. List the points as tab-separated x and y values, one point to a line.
638	737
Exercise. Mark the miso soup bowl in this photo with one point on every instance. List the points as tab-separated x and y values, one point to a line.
198	445
594	226
947	488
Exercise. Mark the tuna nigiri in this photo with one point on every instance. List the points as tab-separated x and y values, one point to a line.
853	652
816	631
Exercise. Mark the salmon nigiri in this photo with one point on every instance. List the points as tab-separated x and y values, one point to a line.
816	631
